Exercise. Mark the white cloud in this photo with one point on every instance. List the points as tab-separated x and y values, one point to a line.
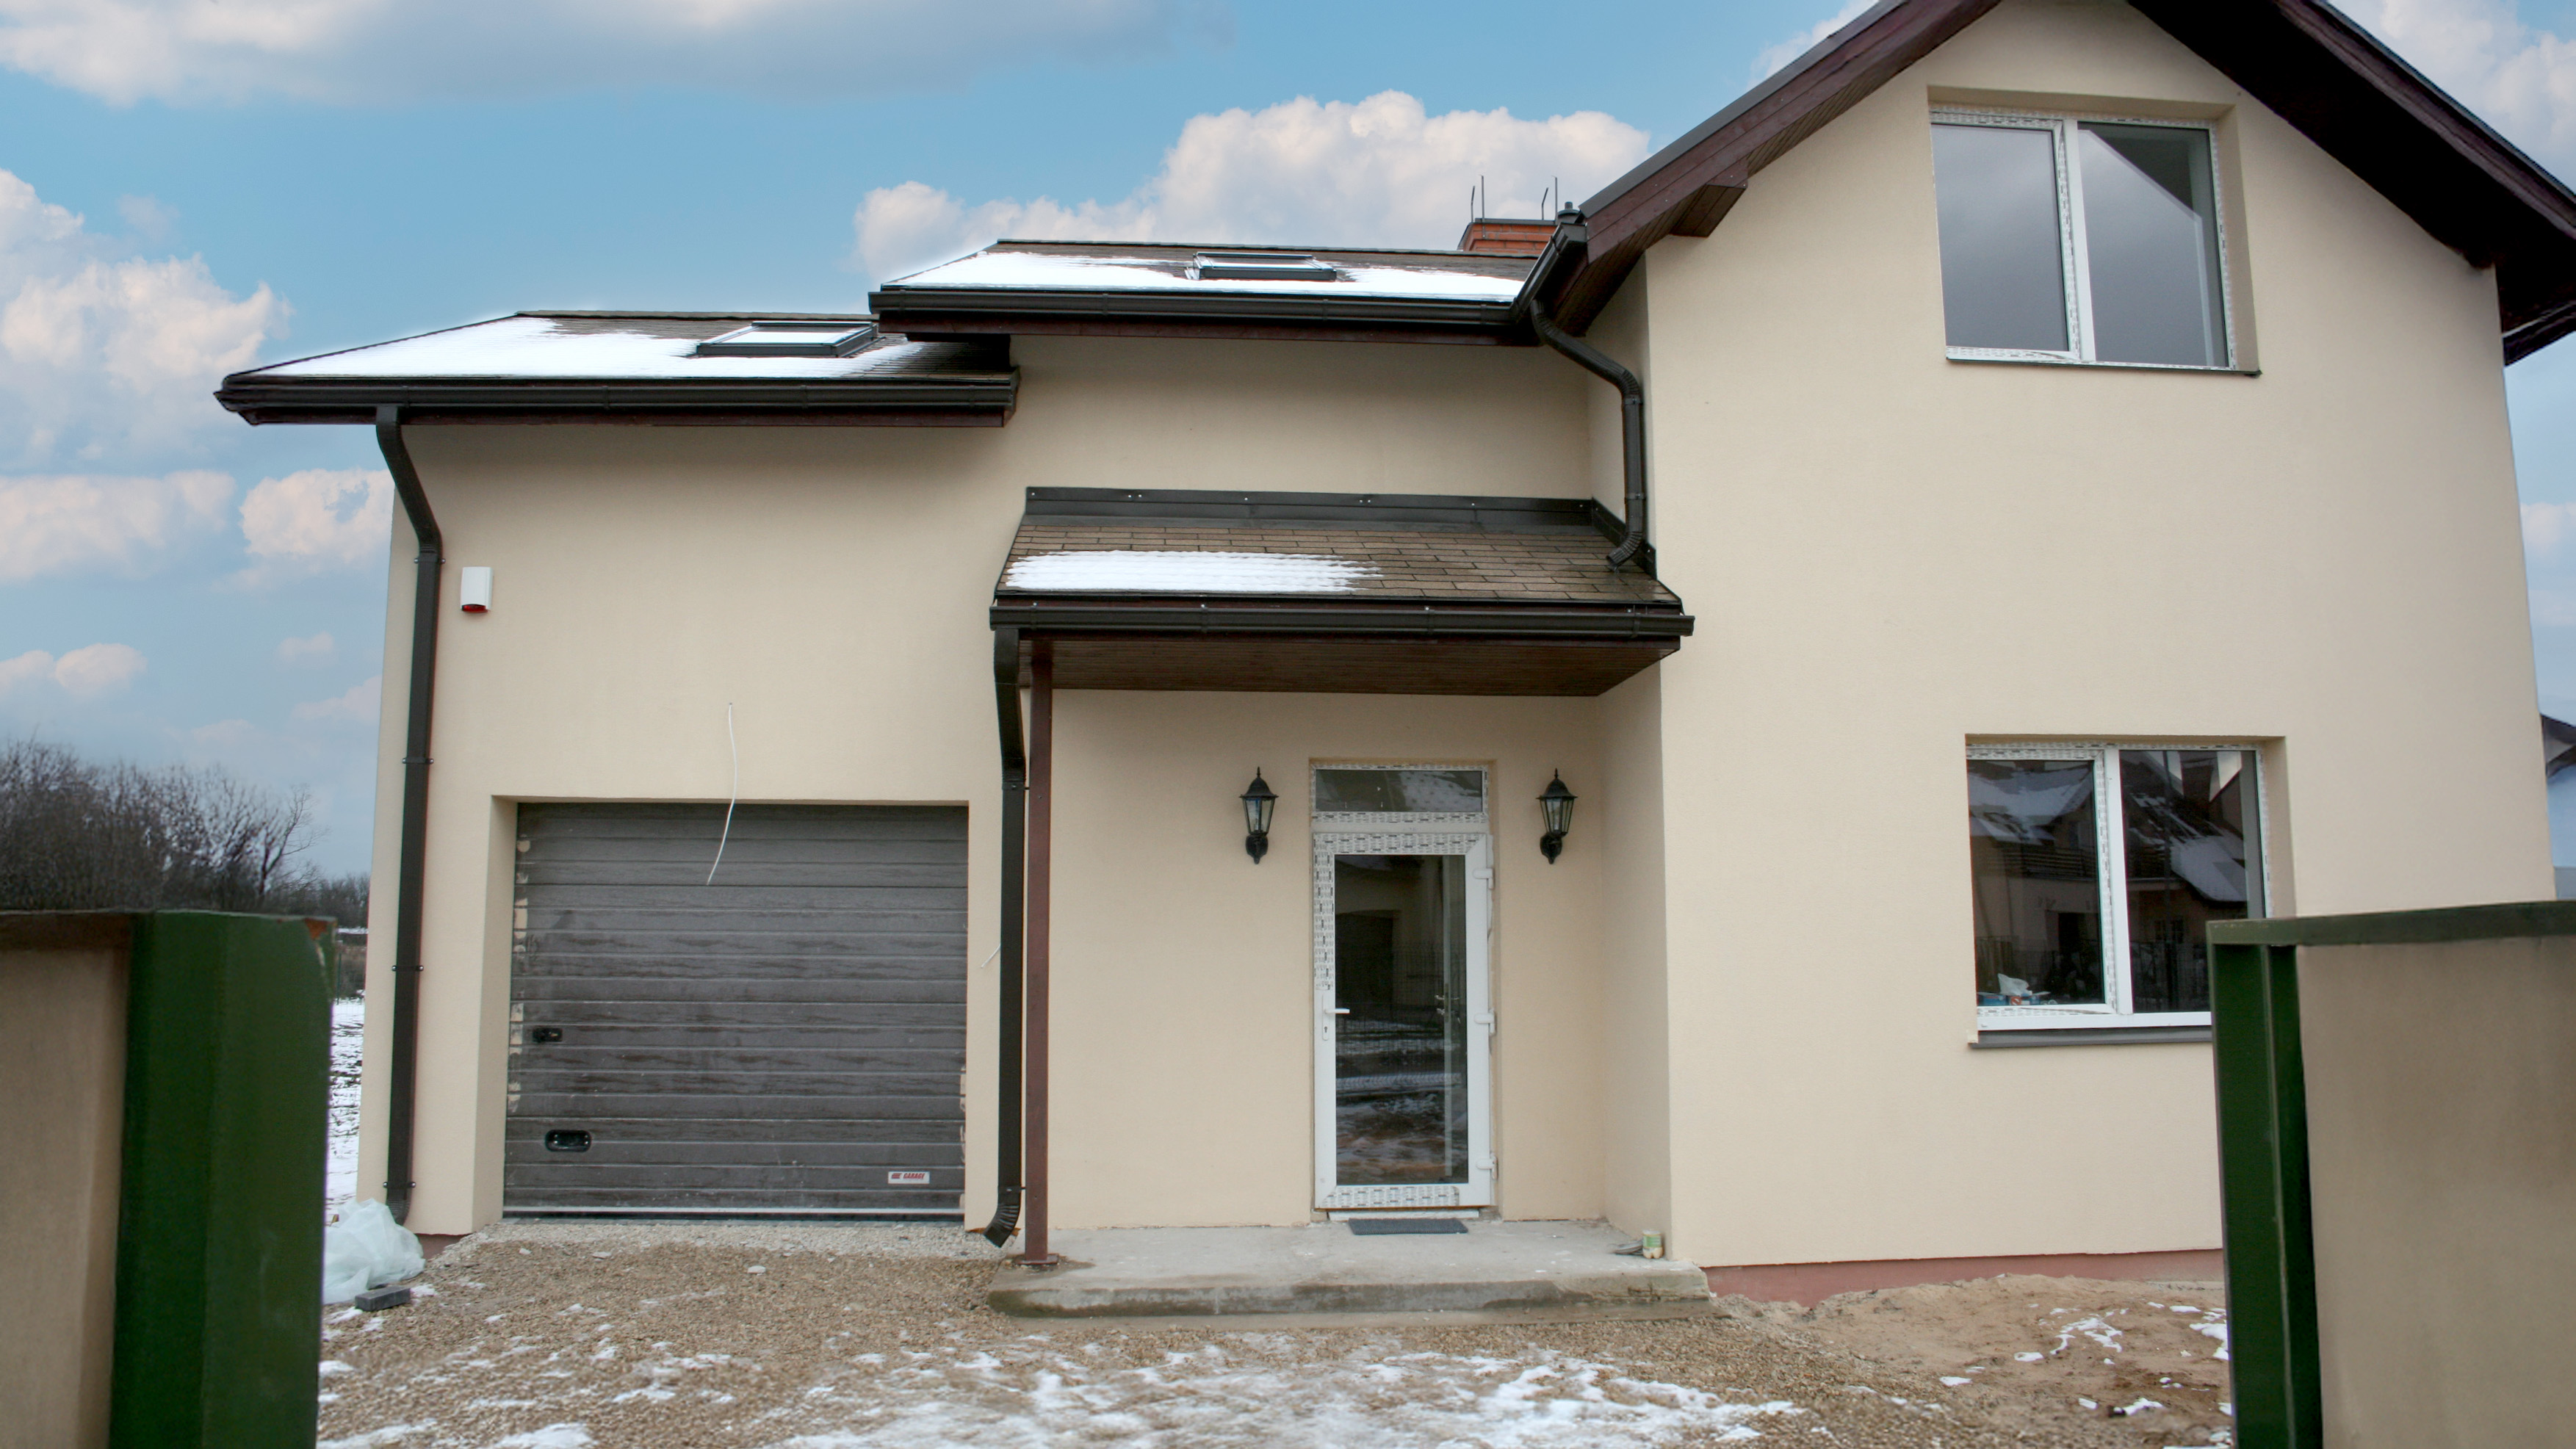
1376	172
318	649
2545	526
99	351
51	525
1775	56
321	518
380	51
358	706
2520	79
84	673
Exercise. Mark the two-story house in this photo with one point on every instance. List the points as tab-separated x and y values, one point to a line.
2026	481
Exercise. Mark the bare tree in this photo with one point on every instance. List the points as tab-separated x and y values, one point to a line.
80	835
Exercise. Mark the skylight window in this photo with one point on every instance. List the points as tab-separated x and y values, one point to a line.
1263	267
791	339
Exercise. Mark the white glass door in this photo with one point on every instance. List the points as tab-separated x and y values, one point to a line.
1403	1019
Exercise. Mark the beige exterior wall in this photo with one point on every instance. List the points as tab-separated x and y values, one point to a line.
2440	1079
831	583
1891	554
1183	972
62	1091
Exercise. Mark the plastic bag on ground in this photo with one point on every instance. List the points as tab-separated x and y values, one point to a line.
366	1249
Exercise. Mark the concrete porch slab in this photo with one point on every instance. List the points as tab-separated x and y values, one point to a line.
1493	1272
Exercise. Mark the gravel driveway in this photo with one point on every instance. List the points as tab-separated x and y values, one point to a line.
812	1336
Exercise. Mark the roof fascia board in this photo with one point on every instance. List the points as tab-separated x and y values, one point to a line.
339	400
939	311
2406	138
1170	616
934	327
1697	178
2372	112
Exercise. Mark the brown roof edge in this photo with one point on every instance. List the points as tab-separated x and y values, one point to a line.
2339	86
1689	185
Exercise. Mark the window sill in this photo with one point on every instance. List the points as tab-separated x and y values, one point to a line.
2089	1036
2042	360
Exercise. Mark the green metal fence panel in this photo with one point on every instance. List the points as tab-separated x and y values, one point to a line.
2263	1186
219	1258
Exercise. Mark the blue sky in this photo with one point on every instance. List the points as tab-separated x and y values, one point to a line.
264	179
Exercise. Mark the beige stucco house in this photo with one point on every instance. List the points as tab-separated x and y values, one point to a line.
2081	509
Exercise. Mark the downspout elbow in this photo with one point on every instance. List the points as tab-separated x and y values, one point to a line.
1633	546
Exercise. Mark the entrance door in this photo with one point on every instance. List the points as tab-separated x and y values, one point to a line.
1404	1020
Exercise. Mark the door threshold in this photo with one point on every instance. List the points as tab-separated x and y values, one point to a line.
1343	1215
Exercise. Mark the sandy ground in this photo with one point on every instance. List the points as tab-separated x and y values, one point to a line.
810	1336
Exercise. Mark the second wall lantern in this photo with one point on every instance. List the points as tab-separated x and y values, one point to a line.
1558	802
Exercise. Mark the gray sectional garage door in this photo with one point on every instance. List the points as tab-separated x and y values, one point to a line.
789	1038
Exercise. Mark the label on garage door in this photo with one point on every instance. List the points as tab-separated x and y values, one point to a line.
907	1179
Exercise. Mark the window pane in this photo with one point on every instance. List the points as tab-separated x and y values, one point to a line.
1400	1032
1451	791
2151	245
2187	817
2003	277
2038	882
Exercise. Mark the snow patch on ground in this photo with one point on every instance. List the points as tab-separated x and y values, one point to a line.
1538	1401
348	1033
552	1436
2217	1331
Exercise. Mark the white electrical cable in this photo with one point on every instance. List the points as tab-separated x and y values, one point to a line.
736	752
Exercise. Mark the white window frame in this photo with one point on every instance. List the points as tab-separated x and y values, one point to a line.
2110	829
2071	252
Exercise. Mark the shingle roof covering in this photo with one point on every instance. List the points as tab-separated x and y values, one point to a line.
1057	557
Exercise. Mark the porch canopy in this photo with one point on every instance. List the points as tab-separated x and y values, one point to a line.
1339	593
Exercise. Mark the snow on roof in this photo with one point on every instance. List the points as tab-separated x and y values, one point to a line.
1169	270
587	347
1168	571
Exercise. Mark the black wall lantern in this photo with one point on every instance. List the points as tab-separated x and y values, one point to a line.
1258	801
1558	802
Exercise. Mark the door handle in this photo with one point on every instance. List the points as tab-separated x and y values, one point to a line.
1341	1011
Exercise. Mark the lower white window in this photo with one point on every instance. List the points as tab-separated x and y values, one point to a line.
2096	870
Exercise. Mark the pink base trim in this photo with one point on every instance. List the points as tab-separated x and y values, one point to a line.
1811	1283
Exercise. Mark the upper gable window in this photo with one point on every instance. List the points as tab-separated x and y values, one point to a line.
2068	240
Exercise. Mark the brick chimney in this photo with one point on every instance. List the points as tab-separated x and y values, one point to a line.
1506	238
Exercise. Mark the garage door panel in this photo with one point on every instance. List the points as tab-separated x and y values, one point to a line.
823	886
704	1082
775	1201
752	1133
781	826
677	991
686	1036
780	1040
551	1062
577	1109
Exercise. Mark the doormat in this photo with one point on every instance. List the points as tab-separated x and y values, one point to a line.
1372	1227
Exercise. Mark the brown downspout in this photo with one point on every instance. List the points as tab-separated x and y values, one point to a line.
1033	1239
1008	1183
412	864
